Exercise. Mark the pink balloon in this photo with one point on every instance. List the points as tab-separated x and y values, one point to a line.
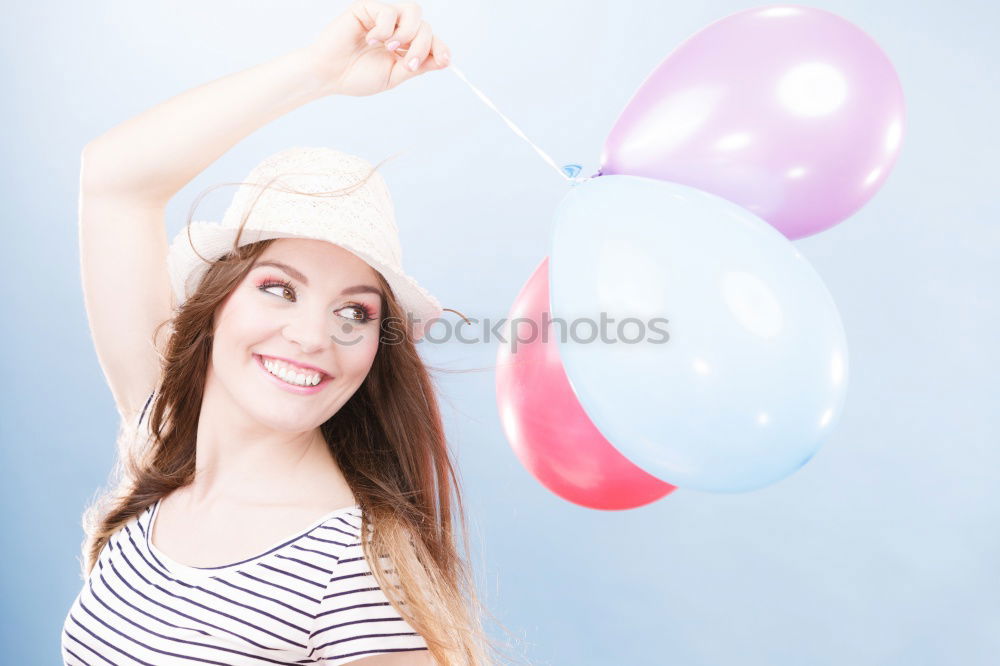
546	426
791	112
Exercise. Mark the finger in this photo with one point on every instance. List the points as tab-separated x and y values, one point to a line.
419	47
406	26
378	17
441	52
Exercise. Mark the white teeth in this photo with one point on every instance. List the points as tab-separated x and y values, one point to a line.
297	378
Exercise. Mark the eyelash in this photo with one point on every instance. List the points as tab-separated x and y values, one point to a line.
267	283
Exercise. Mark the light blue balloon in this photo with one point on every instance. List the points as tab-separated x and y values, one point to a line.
748	375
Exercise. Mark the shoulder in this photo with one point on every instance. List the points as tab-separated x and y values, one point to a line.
333	539
355	617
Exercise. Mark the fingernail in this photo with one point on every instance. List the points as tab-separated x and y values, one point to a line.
372	41
413	64
446	58
392	45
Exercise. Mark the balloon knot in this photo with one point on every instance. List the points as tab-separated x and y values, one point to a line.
572	170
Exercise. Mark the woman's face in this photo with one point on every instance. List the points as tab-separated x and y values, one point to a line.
323	310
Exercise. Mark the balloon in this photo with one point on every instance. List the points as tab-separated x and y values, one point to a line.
548	430
722	361
792	112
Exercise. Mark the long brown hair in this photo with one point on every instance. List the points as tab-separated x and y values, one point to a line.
388	440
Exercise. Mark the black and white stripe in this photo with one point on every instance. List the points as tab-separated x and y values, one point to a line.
312	599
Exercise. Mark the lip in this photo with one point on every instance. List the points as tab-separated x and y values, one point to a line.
301	390
304	366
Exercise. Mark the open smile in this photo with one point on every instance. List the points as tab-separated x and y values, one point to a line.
293	388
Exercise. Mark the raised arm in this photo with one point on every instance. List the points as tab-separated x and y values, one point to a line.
129	173
148	158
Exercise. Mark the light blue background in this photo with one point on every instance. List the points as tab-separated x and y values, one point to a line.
884	549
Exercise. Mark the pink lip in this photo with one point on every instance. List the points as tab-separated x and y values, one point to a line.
301	390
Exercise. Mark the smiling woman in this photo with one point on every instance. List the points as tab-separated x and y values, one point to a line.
306	333
286	493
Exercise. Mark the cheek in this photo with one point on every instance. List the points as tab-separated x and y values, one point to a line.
239	320
360	356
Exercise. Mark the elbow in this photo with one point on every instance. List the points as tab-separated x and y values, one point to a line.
91	178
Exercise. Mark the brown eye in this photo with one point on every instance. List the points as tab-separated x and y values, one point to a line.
286	286
365	313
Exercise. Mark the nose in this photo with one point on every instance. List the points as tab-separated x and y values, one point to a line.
310	329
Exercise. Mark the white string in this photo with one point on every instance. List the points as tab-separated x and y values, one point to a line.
517	130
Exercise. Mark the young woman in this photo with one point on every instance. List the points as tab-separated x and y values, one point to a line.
283	436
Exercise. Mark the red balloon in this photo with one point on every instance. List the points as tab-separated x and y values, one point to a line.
545	424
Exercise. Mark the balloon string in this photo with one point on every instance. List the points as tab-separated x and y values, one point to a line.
569	171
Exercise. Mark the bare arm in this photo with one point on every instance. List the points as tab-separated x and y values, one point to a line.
153	155
150	157
129	173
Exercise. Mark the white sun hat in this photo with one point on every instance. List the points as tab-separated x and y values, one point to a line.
361	220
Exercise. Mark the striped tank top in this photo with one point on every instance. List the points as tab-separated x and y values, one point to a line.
311	598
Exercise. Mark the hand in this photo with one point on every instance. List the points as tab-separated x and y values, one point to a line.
348	64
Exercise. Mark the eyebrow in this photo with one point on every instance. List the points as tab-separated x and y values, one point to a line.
356	289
